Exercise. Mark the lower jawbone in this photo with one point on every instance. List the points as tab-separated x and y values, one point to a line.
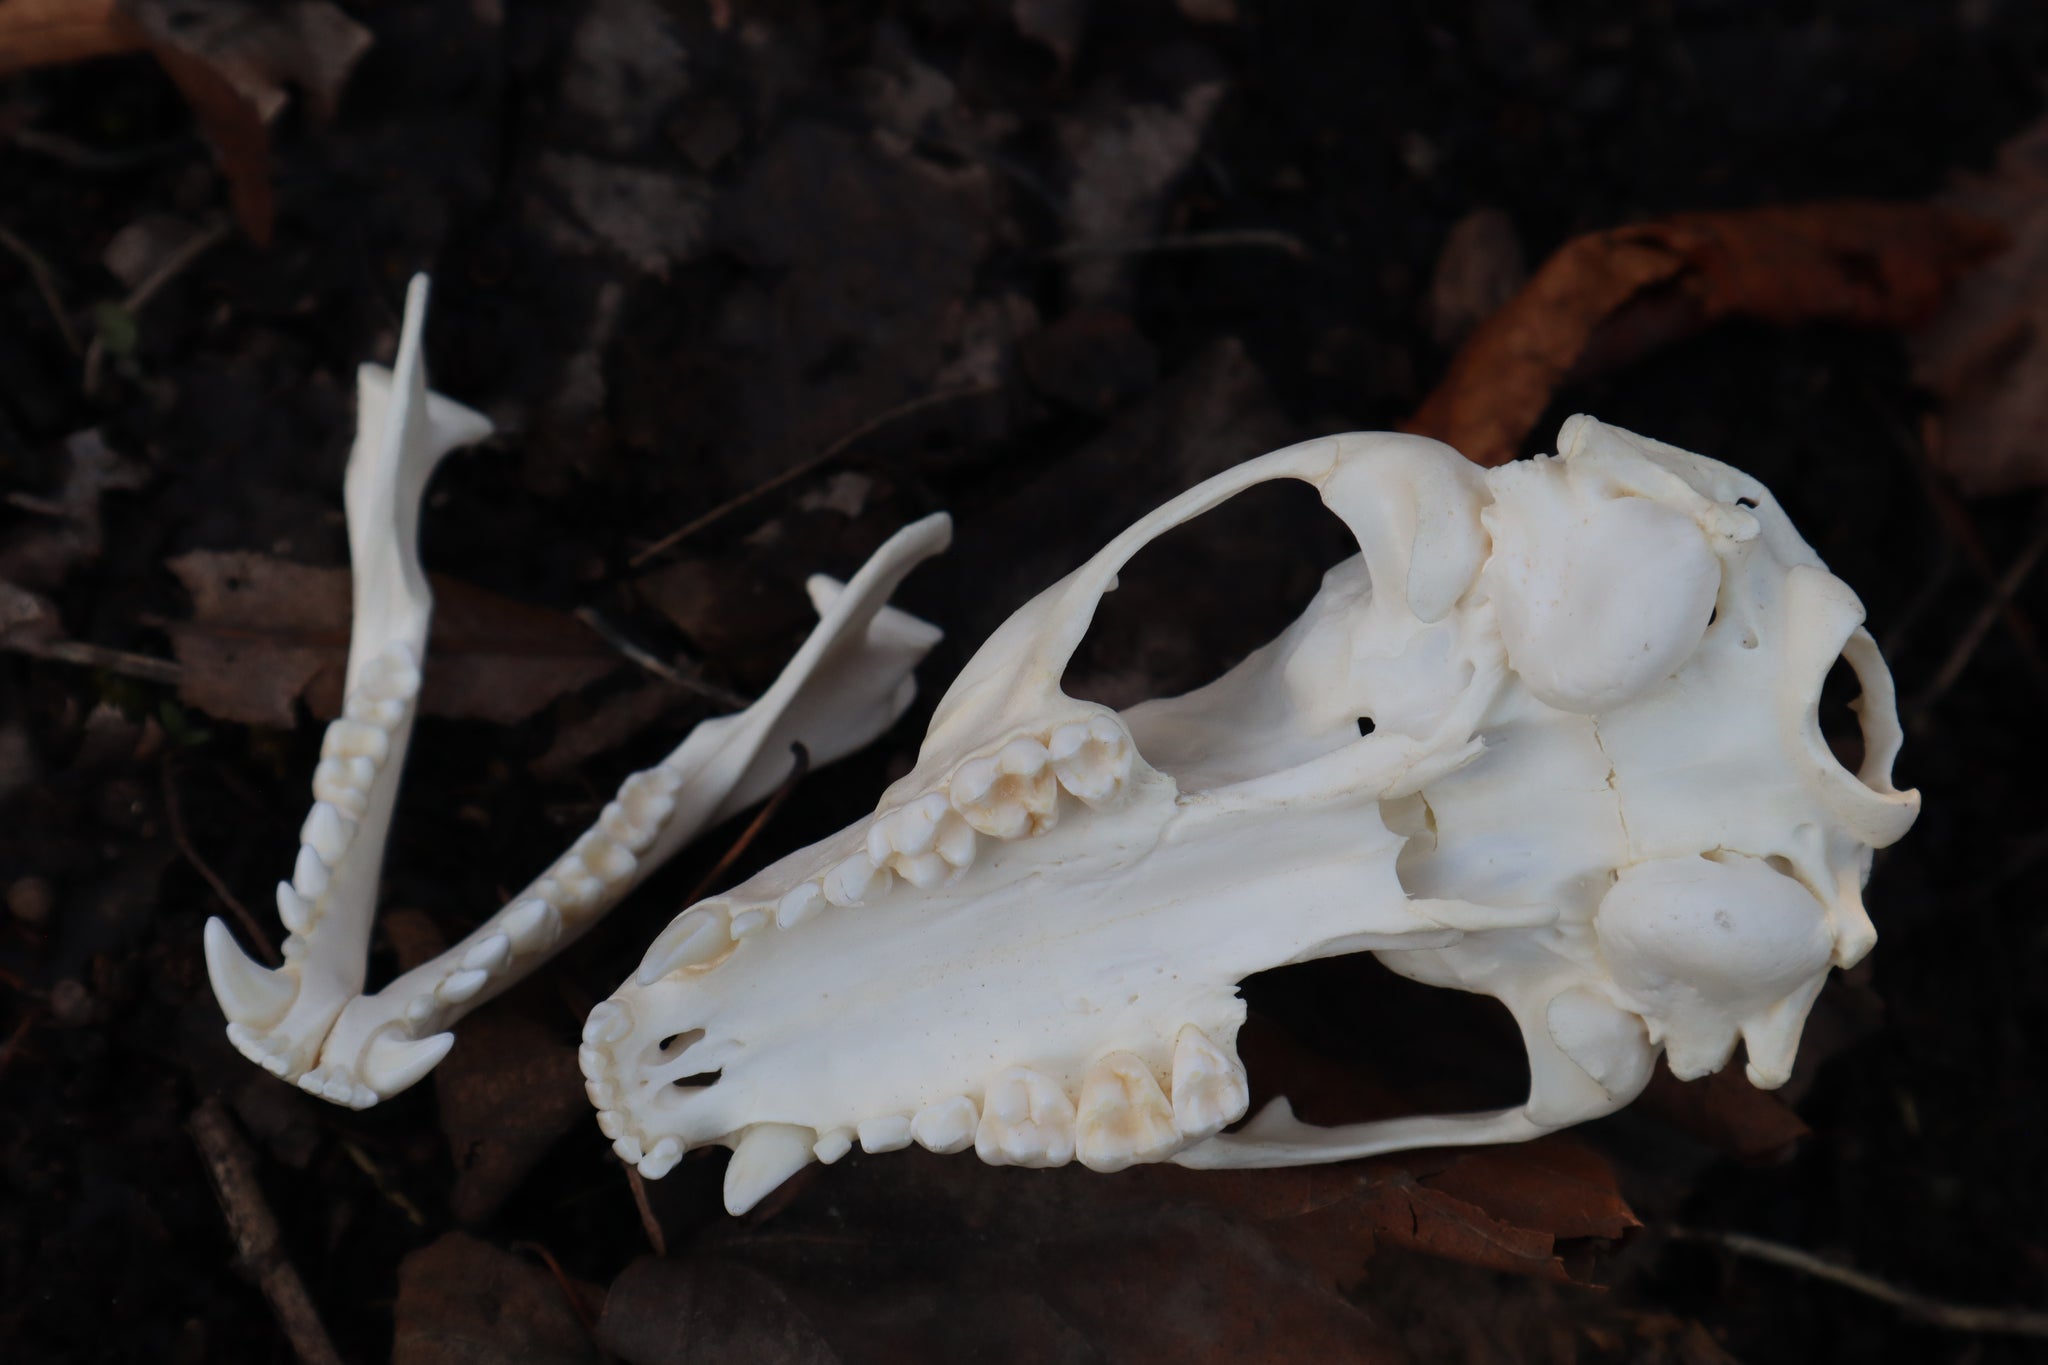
1032	949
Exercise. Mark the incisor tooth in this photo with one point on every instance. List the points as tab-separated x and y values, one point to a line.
661	1158
1209	1086
696	937
769	1154
592	1062
251	996
1123	1117
607	1022
947	1126
1026	1120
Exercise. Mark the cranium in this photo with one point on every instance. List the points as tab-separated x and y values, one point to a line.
1594	787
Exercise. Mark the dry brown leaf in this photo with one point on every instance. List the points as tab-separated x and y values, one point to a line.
53	32
1726	1112
265	633
1607	297
507	1093
1986	355
462	1301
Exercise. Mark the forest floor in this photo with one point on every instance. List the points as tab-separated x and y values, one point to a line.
784	277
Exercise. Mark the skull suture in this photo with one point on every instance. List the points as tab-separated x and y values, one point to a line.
1595	788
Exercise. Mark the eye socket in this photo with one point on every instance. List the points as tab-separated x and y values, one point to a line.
1840	725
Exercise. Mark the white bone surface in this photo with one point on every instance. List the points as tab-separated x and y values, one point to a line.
1595	788
309	1021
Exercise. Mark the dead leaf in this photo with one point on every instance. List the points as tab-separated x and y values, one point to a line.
1477	272
1985	356
1125	156
1607	297
685	1312
507	1092
1728	1113
37	33
653	219
68	532
265	634
462	1301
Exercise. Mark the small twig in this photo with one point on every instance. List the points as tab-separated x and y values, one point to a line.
1222	239
754	827
1996	606
46	285
568	1288
810	466
173	265
176	819
649	1224
1956	1317
233	1169
616	638
99	656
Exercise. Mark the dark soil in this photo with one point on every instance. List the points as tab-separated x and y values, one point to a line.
674	258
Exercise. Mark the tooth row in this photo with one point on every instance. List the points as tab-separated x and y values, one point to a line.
1122	1117
1011	793
334	1084
524	928
351	751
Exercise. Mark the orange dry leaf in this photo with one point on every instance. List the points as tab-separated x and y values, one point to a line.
1607	296
53	32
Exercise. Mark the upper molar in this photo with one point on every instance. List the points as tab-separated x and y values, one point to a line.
1092	758
1009	794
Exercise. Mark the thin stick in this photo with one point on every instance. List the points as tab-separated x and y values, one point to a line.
46	285
649	1224
810	466
1955	1317
1996	606
176	819
756	825
99	656
174	265
233	1169
1223	239
616	638
568	1288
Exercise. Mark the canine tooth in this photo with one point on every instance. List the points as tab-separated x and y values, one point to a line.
1026	1120
251	995
328	832
490	955
463	985
628	1148
661	1158
1091	758
394	1062
799	905
309	875
610	1122
769	1154
832	1145
947	1126
592	1061
851	881
601	1094
1209	1086
295	910
607	1022
622	829
351	739
889	1133
698	936
334	782
1123	1117
750	921
533	925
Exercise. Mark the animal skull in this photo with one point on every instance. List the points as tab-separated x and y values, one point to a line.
1595	788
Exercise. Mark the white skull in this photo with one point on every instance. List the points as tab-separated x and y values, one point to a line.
1595	788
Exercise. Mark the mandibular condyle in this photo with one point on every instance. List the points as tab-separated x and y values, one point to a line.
1595	788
